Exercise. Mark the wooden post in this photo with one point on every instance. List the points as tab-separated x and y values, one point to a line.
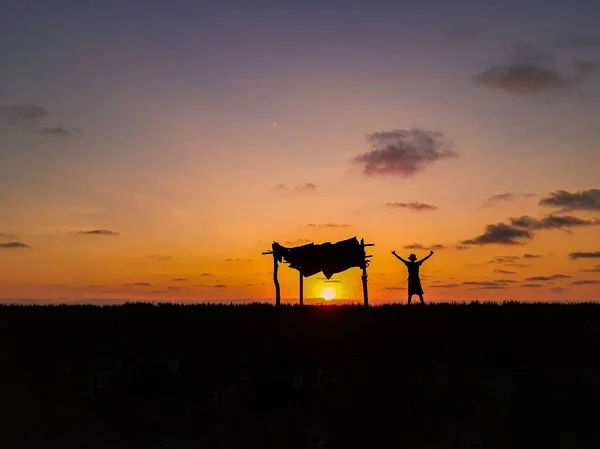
364	285
275	279
276	282
301	288
364	273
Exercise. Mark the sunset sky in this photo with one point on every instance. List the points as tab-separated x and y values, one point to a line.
153	149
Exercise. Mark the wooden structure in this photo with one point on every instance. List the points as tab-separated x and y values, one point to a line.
309	260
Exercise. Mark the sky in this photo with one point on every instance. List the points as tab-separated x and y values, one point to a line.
152	150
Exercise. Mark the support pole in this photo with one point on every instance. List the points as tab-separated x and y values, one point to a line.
364	273
301	288
364	285
276	282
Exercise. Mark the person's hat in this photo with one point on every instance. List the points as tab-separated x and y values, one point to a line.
412	257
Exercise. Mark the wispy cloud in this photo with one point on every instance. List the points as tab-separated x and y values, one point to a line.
523	79
180	279
596	269
57	131
554	277
505	198
219	286
28	117
532	285
519	229
500	233
14	245
137	284
559	290
296	242
531	256
329	225
444	285
504	271
504	259
414	205
551	222
403	152
237	260
19	115
585	255
418	246
307	187
99	232
585	282
567	201
485	284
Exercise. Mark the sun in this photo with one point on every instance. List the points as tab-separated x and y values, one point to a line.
328	293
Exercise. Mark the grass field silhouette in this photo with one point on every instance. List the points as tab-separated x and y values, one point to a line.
474	375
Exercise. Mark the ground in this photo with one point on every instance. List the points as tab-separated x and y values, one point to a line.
434	376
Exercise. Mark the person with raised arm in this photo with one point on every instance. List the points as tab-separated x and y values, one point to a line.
414	282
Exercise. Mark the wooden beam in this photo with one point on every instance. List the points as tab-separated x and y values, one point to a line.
301	288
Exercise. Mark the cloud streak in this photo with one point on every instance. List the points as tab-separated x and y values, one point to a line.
14	245
520	229
402	153
296	242
98	232
523	79
307	187
418	246
585	255
57	131
20	115
500	233
505	197
586	282
596	269
329	225
554	277
580	200
414	205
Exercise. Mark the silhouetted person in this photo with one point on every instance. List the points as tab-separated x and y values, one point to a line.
414	282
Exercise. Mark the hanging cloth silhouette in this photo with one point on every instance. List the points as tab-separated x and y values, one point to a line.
330	258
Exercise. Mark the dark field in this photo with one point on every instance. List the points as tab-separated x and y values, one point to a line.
439	376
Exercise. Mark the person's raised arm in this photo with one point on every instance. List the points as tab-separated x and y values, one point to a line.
425	258
398	257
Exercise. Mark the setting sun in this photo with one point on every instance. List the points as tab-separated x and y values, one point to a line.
328	293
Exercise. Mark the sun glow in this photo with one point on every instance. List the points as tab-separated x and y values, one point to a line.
328	293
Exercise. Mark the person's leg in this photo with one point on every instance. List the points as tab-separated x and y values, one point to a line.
421	298
409	298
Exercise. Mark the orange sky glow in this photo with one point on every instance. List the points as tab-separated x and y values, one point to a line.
133	171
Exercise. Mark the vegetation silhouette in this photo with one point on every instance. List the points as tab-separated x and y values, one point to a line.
414	281
216	376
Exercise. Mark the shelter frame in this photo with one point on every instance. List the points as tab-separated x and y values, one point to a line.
364	276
